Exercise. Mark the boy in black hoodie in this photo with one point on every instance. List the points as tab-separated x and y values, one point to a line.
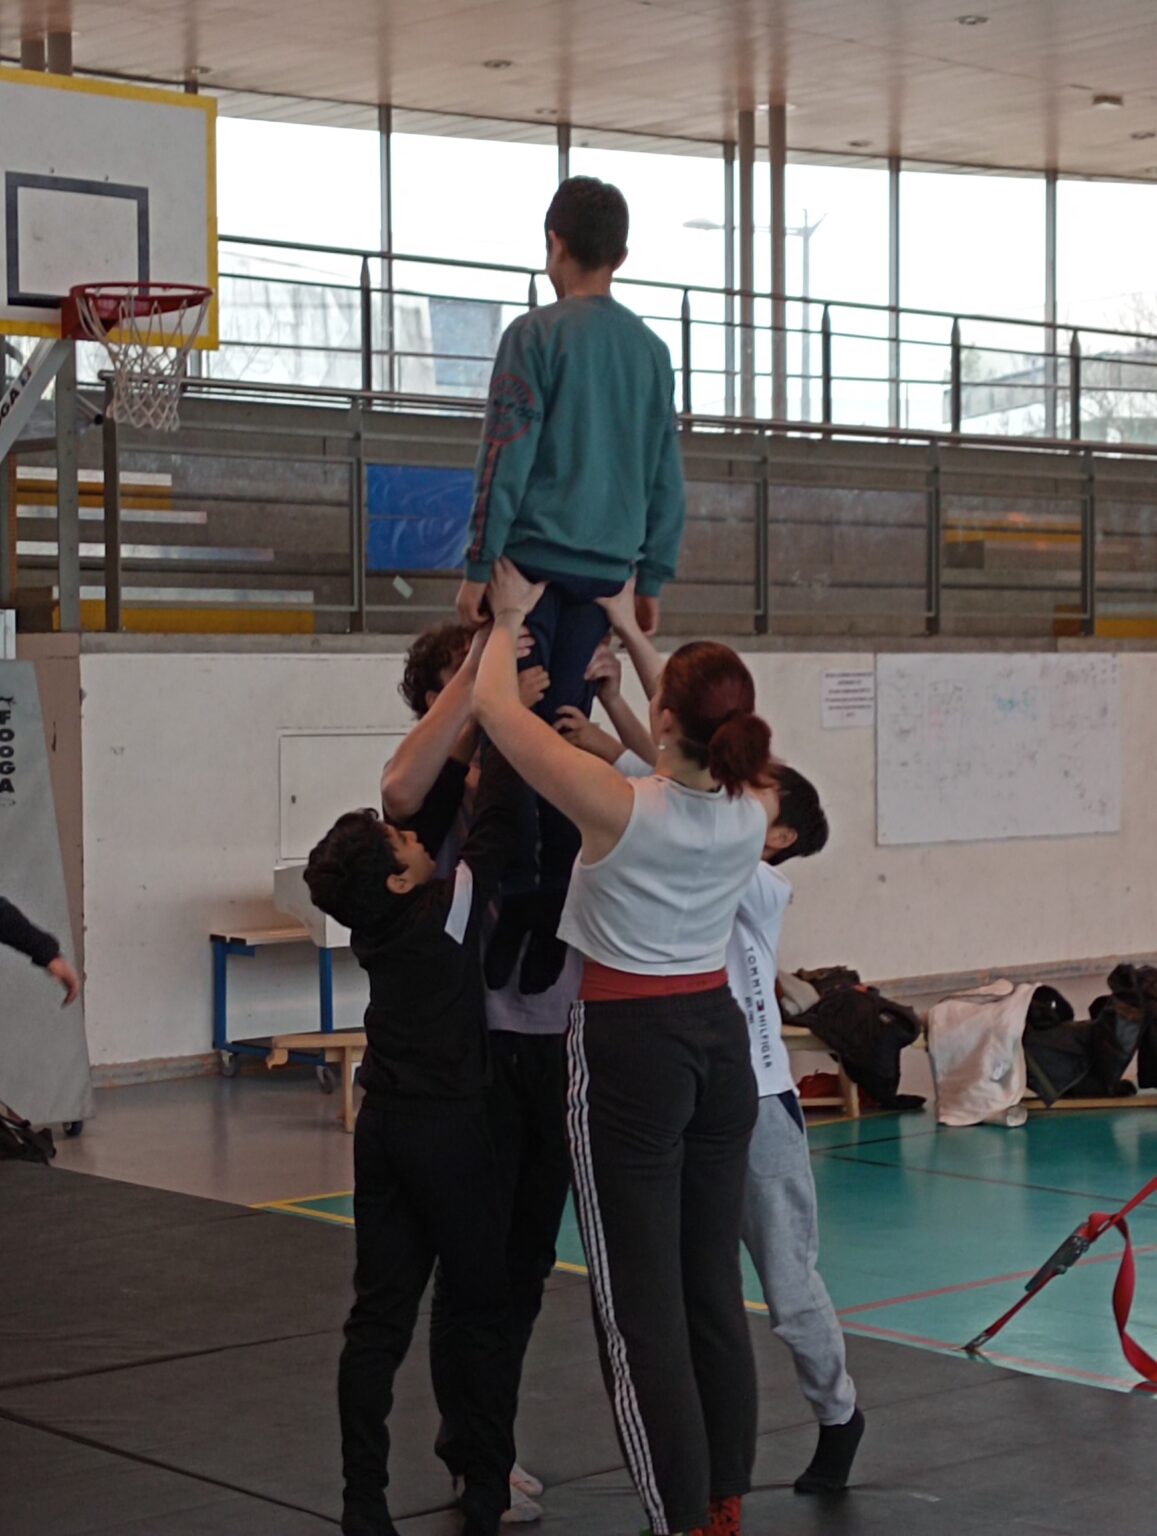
425	1177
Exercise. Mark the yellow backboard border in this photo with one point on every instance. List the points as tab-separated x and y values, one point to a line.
209	339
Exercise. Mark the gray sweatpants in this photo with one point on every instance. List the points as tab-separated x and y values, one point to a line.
781	1232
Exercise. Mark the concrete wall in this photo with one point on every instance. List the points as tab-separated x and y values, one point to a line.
181	832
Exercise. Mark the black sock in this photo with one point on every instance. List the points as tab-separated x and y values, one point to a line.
832	1462
542	964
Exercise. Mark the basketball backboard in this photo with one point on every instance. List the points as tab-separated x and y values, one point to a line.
101	183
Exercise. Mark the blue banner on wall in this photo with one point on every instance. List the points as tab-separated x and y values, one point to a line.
417	518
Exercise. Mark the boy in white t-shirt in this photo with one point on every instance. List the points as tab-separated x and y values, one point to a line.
781	1219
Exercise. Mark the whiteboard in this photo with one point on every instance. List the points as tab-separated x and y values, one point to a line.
973	748
323	774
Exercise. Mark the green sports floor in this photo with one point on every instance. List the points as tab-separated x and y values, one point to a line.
928	1234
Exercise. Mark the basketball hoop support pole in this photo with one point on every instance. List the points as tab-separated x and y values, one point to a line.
21	395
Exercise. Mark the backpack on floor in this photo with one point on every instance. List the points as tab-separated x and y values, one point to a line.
867	1032
20	1143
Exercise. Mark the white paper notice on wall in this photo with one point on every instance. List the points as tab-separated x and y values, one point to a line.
981	747
849	700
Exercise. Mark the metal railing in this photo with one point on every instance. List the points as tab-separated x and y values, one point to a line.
394	321
1083	523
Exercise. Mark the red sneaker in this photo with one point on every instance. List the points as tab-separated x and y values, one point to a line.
724	1519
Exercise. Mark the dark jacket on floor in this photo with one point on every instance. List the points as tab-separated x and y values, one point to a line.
18	933
426	1022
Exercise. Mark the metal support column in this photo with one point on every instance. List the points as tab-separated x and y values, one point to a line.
110	463
762	571
67	495
1051	370
33	54
746	149
956	379
1089	545
366	294
563	151
729	279
777	158
58	53
359	619
826	366
894	292
685	348
386	277
1075	387
933	509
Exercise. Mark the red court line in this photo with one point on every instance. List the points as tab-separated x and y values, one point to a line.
976	1285
943	1346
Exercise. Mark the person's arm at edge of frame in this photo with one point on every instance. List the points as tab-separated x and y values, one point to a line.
41	948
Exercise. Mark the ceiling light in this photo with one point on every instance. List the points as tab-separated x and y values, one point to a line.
199	69
859	143
497	63
1144	133
1109	103
788	106
971	20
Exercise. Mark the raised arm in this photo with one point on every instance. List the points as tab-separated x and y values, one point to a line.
646	660
446	732
587	791
607	670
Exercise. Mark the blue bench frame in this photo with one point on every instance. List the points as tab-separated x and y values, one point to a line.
225	947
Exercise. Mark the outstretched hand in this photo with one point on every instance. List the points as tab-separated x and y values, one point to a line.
606	670
509	590
620	608
585	734
67	977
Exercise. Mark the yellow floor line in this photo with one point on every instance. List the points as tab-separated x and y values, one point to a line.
277	1205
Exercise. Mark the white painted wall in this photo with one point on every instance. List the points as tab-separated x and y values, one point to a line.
181	834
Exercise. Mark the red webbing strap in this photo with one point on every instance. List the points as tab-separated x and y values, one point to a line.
1123	1290
1069	1253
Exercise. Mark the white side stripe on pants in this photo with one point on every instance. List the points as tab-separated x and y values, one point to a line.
626	1403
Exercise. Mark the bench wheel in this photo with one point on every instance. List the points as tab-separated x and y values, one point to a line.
326	1079
230	1063
73	1128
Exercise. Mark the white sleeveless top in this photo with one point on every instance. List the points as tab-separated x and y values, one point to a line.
663	901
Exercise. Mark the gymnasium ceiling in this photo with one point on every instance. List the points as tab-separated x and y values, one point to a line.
866	76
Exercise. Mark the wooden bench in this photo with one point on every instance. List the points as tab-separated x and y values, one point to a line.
245	942
343	1048
796	1038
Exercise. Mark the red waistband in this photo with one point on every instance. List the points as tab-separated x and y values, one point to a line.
603	984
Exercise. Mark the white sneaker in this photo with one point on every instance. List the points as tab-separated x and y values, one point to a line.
522	1511
526	1482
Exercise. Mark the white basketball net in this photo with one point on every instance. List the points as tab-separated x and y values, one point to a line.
148	341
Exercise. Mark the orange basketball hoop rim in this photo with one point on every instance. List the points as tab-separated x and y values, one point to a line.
148	331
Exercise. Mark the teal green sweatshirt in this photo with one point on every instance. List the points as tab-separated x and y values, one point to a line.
579	471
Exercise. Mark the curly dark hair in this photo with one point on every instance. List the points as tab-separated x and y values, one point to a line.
591	217
431	654
347	872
